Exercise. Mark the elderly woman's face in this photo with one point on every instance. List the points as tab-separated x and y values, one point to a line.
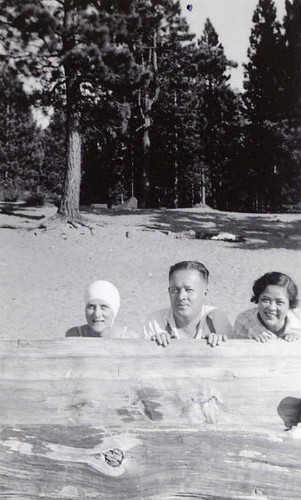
187	289
99	315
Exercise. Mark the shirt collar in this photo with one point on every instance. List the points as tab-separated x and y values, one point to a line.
171	326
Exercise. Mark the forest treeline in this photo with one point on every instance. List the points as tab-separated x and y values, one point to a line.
141	107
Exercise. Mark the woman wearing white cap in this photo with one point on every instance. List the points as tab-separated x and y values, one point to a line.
102	302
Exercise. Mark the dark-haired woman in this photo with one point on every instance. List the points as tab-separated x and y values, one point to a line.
276	314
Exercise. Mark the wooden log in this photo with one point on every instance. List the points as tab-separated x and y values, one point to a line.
93	418
238	384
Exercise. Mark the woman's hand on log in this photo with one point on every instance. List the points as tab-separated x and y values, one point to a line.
291	336
261	337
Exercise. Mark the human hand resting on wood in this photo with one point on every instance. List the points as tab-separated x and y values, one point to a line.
219	328
266	336
263	336
162	338
214	339
291	336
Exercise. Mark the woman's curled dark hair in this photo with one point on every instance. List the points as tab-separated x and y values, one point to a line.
279	279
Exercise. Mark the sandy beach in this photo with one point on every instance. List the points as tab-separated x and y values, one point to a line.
44	273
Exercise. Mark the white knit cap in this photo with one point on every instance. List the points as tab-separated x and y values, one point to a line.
106	291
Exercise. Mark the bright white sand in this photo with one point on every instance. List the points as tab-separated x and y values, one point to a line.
44	274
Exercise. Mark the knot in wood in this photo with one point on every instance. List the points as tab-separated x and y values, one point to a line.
114	457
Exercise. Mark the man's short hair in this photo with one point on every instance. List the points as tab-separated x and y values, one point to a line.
190	264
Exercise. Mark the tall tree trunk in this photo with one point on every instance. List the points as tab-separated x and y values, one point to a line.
145	106
132	172
145	195
203	187
71	192
175	164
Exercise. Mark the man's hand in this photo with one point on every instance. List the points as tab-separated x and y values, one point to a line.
214	339
219	326
162	338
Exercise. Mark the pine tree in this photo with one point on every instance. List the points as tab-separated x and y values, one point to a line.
263	71
291	60
21	152
219	117
197	124
291	124
74	44
157	38
171	113
266	158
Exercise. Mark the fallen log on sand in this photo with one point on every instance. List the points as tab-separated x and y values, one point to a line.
93	418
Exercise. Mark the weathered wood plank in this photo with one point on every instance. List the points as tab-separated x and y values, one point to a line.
233	385
143	349
90	418
164	402
162	465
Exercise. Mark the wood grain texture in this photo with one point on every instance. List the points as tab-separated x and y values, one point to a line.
91	418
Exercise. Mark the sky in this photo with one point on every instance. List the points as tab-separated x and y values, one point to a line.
232	20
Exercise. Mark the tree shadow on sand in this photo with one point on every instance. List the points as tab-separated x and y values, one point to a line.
252	231
17	211
259	231
264	231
